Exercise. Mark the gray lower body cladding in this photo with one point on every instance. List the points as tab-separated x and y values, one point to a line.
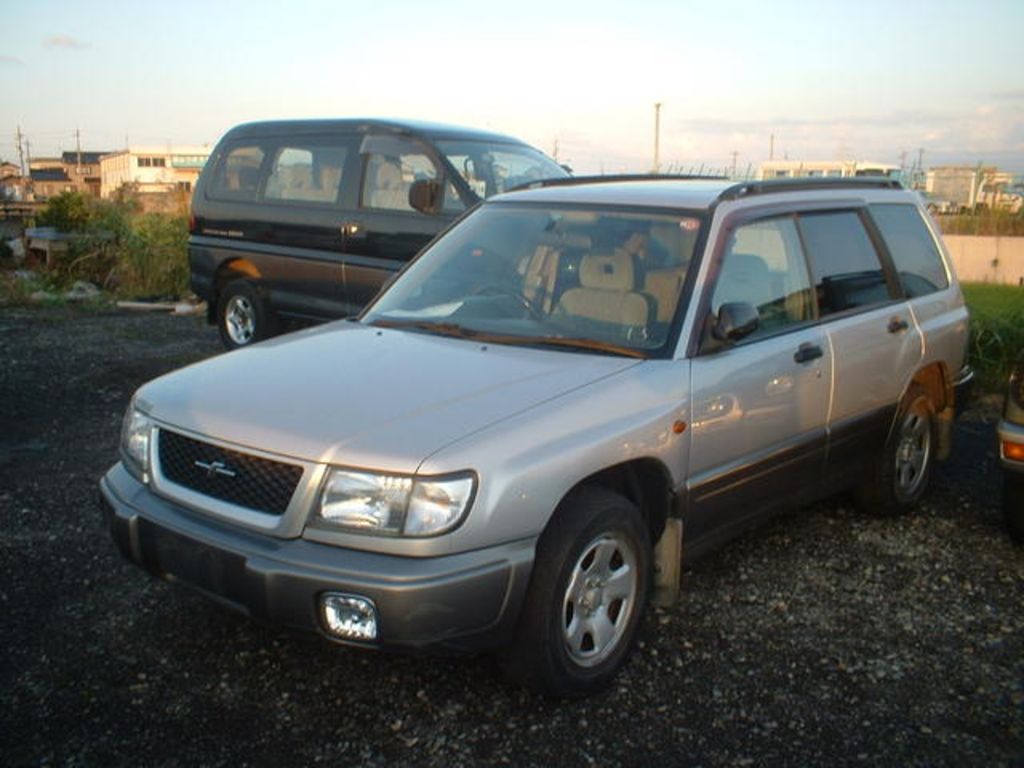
462	602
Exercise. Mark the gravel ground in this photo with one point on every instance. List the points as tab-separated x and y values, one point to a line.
826	637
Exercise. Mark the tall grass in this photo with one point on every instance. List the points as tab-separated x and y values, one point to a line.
997	331
129	253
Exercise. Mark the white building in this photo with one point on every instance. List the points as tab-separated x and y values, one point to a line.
152	169
788	169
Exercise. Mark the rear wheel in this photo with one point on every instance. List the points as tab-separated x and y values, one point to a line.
243	315
589	585
899	476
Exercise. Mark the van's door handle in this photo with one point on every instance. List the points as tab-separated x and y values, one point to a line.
897	324
807	352
351	229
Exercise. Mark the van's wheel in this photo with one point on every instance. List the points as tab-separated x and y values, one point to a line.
243	316
899	477
587	592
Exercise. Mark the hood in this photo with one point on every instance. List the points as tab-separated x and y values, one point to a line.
361	396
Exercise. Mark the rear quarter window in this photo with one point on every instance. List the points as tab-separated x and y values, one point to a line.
236	176
912	248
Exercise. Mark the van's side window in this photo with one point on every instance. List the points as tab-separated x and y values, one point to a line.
237	175
306	174
844	262
764	266
391	165
913	250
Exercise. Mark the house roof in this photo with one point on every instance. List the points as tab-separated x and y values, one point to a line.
48	174
88	158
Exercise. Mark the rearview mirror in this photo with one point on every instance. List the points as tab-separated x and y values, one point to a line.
425	196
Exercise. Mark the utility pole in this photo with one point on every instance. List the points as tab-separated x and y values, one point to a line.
657	136
732	174
771	146
21	151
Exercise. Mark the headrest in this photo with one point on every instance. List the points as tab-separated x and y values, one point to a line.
607	271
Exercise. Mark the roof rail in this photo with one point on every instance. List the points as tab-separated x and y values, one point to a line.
570	181
766	186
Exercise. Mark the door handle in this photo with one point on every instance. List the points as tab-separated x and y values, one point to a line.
351	229
897	324
807	352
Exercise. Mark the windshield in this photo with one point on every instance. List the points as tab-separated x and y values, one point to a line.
606	280
490	168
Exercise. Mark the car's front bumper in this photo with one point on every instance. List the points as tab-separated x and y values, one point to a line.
464	601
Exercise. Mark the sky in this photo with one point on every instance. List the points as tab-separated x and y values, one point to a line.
889	81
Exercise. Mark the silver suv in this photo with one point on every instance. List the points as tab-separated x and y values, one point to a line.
572	386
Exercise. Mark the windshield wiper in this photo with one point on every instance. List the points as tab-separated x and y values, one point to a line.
442	329
461	332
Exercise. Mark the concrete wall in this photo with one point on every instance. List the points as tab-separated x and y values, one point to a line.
987	259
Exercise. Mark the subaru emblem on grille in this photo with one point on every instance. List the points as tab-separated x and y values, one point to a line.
214	468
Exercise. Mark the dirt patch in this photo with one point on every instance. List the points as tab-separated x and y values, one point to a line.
826	637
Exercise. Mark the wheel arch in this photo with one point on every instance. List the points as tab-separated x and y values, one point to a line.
229	270
645	482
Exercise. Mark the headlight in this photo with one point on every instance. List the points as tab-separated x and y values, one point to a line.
135	432
392	505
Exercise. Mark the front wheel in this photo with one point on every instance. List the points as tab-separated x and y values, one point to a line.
243	316
899	476
587	593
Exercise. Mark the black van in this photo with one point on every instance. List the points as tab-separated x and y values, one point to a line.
306	219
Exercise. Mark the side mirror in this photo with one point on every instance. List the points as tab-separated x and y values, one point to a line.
425	196
736	319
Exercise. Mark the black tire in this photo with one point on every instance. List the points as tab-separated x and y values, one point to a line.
243	315
899	477
591	576
1013	505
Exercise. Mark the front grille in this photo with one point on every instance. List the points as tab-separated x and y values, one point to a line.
239	478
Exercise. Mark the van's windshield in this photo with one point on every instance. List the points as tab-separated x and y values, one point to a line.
596	279
491	167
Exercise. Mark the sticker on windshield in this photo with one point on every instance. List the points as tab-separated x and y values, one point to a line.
689	225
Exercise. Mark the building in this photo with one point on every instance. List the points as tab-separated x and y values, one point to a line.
76	171
968	188
787	169
149	170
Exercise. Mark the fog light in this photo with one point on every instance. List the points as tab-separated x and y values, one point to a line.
349	617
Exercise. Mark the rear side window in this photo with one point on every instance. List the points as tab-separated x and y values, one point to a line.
309	174
237	174
912	248
844	263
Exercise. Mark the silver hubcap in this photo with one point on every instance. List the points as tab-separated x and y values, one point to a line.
912	453
600	599
240	319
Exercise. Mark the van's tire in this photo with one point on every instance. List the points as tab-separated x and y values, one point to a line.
899	477
243	315
1013	505
590	582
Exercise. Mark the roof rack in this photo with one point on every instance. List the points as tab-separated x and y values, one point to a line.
569	181
747	188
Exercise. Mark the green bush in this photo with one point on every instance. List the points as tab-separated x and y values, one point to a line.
997	331
117	247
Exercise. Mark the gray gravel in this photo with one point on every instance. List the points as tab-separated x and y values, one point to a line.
826	637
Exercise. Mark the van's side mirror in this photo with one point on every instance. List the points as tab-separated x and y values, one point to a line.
736	319
425	196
